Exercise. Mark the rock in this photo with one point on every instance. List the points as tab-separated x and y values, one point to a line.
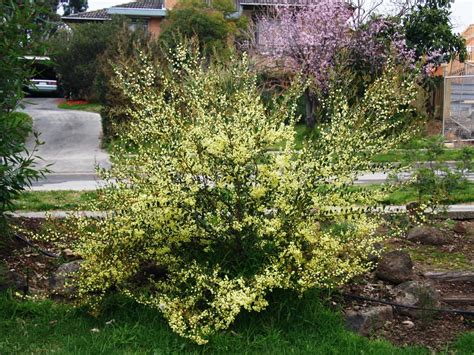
70	268
426	235
408	323
366	321
395	267
11	279
58	283
416	294
460	228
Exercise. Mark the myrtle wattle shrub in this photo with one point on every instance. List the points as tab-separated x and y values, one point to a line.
206	218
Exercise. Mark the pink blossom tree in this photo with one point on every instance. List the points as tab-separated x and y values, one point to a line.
371	45
305	39
308	39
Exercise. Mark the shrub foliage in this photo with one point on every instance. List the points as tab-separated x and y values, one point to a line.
204	221
19	33
76	55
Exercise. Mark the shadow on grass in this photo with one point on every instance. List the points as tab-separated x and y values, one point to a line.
289	325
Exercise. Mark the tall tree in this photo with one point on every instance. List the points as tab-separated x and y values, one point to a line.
208	22
306	40
74	6
429	32
428	29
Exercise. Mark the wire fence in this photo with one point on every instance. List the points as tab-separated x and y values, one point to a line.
458	111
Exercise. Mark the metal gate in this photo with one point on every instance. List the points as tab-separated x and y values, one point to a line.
458	109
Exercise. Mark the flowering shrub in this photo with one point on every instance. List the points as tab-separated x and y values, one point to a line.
374	43
204	221
307	38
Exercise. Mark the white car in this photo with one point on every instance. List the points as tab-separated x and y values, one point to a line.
44	77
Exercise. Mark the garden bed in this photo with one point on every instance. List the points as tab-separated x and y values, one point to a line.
426	328
80	105
32	270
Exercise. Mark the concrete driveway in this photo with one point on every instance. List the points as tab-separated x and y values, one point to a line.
72	145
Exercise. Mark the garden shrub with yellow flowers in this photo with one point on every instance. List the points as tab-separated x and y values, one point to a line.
205	221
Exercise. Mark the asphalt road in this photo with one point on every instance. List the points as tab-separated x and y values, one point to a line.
71	145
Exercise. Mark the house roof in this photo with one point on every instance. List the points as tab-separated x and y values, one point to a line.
97	15
275	2
143	4
104	14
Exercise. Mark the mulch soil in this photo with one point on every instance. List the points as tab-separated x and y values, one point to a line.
435	331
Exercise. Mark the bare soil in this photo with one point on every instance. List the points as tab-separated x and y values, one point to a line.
436	330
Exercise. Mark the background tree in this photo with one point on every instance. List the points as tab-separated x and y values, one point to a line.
76	55
428	29
372	44
207	21
306	40
429	32
74	6
19	33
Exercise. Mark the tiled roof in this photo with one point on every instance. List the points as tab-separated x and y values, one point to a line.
101	14
104	15
158	5
143	4
275	2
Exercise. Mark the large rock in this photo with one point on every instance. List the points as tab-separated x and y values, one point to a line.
416	294
10	279
395	267
426	235
60	281
366	321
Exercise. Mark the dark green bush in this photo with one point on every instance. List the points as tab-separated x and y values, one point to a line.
76	55
209	24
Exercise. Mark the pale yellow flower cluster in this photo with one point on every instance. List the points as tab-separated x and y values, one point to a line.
205	221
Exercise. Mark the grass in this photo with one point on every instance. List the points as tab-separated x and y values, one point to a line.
70	200
414	148
289	325
408	194
80	105
417	144
432	256
397	155
53	200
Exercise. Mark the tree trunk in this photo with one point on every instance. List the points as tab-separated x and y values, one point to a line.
310	104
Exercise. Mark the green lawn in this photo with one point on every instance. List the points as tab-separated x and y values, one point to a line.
90	107
415	148
449	154
408	194
53	200
70	200
416	145
290	326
